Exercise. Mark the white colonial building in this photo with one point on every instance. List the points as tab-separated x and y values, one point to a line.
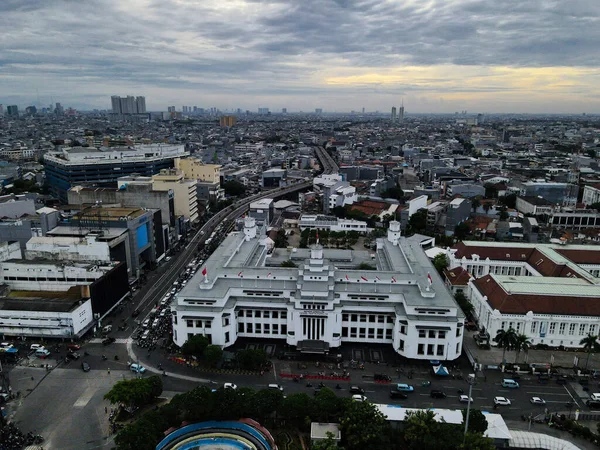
325	301
549	292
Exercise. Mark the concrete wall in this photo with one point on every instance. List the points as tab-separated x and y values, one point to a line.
10	250
14	209
60	249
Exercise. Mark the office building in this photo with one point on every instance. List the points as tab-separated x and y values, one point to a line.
591	194
262	210
394	117
325	301
102	166
207	176
263	110
184	192
273	178
12	111
331	223
549	292
227	121
283	110
128	105
1	110
318	111
401	112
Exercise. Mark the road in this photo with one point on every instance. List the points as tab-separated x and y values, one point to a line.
327	162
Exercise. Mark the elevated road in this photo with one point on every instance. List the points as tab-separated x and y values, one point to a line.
327	162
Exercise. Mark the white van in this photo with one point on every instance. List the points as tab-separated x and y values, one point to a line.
508	383
42	353
35	346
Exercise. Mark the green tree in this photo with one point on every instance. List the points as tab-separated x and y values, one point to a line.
420	430
440	262
298	407
418	221
491	191
506	339
213	354
363	426
267	401
326	444
135	392
475	203
393	192
464	303
522	343
365	266
476	441
195	346
477	421
281	239
595	206
140	435
590	343
328	405
503	214
251	359
233	188
461	231
288	263
510	200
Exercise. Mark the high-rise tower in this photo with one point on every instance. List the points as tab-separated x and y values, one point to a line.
393	113
401	113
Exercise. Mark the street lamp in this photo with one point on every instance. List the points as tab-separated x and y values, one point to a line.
471	381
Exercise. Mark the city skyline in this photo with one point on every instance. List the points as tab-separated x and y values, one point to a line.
441	57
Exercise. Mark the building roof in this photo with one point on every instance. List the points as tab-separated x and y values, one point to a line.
542	295
537	201
457	276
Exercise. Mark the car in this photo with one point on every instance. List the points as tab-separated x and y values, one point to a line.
275	387
137	368
168	258
595	396
593	404
404	387
73	347
501	401
108	341
381	377
537	401
357	390
465	399
437	394
35	346
397	394
4	397
229	386
359	398
85	366
135	313
562	380
73	355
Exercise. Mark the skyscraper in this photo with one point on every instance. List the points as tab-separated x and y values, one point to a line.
393	113
1	110
283	110
12	111
401	113
318	111
128	105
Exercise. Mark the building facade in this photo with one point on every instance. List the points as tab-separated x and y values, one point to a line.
103	166
325	300
184	192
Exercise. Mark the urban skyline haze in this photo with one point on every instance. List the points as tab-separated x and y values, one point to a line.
440	56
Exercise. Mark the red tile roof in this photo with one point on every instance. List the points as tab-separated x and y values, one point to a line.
507	303
457	276
587	256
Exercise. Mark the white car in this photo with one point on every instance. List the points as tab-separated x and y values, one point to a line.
501	401
229	386
359	398
537	401
595	396
137	368
465	399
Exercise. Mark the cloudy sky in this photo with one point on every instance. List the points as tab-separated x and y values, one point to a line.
340	55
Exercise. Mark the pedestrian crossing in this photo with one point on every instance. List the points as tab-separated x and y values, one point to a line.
117	341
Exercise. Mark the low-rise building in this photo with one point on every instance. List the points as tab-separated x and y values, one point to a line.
331	223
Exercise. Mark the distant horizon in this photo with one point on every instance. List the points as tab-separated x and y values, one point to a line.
340	55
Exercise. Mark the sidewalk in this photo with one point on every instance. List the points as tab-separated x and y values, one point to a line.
545	429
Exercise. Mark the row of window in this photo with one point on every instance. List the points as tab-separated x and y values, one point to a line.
263	314
366	333
582	328
372	318
314	306
41	278
433	350
432	334
262	328
199	323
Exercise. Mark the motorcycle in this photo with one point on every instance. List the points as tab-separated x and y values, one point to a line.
104	358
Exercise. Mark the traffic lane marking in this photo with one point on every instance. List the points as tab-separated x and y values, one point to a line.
547	393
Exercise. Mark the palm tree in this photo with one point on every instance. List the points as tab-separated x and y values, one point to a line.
475	203
590	342
523	343
506	339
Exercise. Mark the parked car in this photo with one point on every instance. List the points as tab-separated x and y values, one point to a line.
357	390
85	366
437	394
398	395
405	387
501	401
137	368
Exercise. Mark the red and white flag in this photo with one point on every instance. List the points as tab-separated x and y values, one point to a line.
317	236
269	275
240	274
394	280
429	278
204	271
347	279
363	278
378	279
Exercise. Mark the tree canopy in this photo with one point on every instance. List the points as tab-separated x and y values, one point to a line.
135	392
195	346
440	262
